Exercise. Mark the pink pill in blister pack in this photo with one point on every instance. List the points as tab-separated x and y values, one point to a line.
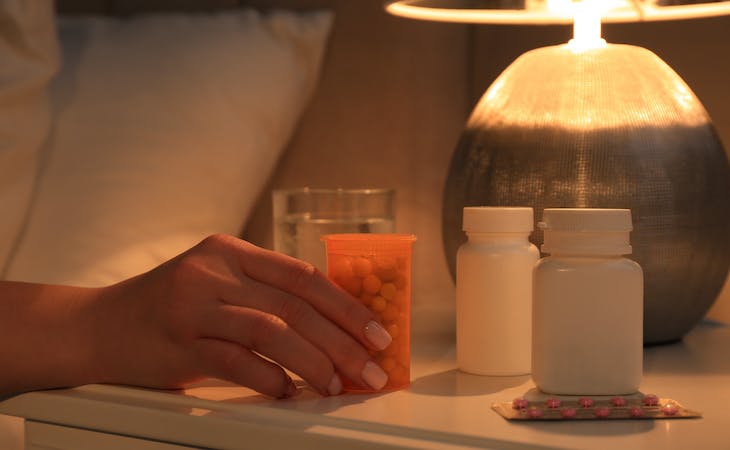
647	406
585	402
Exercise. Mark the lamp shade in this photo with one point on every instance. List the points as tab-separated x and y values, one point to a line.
542	12
610	127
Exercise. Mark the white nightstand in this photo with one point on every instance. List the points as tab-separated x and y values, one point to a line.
443	409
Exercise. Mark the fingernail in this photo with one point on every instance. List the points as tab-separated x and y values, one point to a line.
373	375
335	386
376	334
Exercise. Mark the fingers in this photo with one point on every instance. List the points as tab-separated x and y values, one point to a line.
232	362
286	310
273	338
347	355
303	280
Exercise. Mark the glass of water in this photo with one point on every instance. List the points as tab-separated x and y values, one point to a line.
303	215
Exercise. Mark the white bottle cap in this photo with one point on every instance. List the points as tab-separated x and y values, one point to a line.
586	231
498	219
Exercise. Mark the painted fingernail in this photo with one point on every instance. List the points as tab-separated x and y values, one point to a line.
376	334
335	386
374	376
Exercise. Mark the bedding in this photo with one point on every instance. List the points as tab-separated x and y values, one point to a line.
28	59
166	128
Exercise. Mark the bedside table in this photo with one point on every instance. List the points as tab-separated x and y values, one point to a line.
443	409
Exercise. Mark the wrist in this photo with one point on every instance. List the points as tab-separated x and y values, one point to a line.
107	335
47	336
75	342
122	334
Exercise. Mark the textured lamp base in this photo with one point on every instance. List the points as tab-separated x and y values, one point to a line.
613	127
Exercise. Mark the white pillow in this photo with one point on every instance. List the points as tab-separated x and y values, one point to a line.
167	129
28	60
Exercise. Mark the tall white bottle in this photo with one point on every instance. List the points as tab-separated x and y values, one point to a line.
588	305
494	291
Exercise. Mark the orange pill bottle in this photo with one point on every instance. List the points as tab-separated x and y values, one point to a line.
376	269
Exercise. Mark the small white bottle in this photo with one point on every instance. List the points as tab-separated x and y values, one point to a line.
494	291
588	305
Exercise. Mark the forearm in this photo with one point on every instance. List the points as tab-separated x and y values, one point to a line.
47	336
224	308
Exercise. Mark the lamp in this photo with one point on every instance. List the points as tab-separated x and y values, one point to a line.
591	124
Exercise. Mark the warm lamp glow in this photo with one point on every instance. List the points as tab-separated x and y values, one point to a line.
599	95
587	26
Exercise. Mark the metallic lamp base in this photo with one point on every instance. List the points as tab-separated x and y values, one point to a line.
613	127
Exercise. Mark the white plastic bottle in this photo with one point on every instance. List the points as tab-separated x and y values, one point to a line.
588	305
494	291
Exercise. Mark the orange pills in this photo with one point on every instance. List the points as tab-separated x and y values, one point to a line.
379	304
371	284
393	330
387	269
388	290
390	313
361	267
376	269
388	364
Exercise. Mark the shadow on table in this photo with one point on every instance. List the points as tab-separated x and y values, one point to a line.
306	400
456	383
700	352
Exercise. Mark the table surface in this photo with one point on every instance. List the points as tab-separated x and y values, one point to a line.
443	409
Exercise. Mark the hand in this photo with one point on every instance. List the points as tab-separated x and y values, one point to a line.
220	308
